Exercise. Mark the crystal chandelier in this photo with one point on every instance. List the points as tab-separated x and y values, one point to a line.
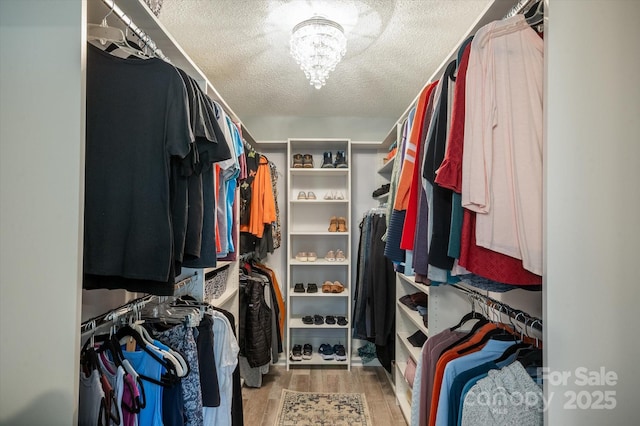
317	45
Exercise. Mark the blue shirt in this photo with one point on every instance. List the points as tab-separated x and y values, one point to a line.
491	350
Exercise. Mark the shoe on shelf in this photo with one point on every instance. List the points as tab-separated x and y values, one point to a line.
342	224
307	319
307	161
312	256
341	160
330	256
340	257
326	351
339	196
330	319
318	319
327	160
302	196
337	287
297	161
312	288
307	351
327	286
311	195
333	224
301	256
342	320
340	352
329	195
296	353
298	288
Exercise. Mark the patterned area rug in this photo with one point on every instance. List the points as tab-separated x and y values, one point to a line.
324	409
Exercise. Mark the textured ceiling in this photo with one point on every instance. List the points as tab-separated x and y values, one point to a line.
393	47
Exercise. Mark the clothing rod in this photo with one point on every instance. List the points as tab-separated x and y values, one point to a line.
516	314
519	8
113	314
111	4
133	305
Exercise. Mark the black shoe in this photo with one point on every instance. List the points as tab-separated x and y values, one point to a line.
342	321
318	319
340	352
327	162
341	160
330	319
298	288
296	353
308	319
312	288
307	351
382	190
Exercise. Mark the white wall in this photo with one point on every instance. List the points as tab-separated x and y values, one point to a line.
283	127
41	193
593	203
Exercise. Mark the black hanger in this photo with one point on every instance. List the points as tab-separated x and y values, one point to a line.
477	326
535	15
530	358
468	317
496	334
511	350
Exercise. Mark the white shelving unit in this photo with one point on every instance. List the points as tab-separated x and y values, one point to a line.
308	222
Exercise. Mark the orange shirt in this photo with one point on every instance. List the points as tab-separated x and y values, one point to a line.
406	173
263	205
450	355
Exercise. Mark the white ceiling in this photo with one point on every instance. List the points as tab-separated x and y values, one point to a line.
393	47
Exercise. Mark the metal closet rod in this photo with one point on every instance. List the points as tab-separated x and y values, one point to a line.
519	7
501	307
111	4
112	316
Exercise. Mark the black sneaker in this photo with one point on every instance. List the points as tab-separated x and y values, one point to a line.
307	351
312	288
341	160
318	319
330	319
298	288
327	162
342	320
340	352
296	353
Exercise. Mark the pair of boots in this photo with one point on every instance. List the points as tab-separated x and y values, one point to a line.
340	162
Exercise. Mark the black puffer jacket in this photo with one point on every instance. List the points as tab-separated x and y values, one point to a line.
255	323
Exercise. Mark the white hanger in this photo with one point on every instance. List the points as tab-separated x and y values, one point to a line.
103	33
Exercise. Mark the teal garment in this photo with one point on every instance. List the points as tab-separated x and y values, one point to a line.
455	232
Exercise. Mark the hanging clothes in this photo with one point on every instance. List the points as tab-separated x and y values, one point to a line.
374	310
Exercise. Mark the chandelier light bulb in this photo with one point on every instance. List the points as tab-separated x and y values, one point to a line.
318	44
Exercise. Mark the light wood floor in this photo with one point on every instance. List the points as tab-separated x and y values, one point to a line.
260	405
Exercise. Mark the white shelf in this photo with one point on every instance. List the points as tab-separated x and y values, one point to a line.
382	197
219	265
410	279
387	168
297	323
319	172
316	359
319	262
225	297
401	391
413	351
414	316
345	293
338	234
318	201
